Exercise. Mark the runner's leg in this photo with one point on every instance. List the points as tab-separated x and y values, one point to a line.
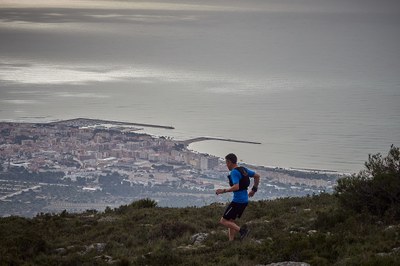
232	227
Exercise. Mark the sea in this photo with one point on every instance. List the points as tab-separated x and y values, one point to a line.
316	82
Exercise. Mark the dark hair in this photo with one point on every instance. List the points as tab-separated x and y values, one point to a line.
231	157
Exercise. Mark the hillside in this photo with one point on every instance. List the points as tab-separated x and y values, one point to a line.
357	225
309	229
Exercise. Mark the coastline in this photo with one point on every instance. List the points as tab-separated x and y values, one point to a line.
93	121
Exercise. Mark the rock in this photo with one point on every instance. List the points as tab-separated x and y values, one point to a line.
393	252
98	246
146	225
382	254
61	251
286	263
196	242
311	232
258	241
191	247
390	227
106	258
147	255
198	239
108	219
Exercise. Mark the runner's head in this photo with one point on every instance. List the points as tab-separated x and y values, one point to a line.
231	161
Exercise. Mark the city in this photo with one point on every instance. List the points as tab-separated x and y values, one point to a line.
85	164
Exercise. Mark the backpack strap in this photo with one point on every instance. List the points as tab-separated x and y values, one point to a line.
244	182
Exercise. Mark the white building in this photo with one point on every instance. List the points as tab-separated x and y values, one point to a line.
208	162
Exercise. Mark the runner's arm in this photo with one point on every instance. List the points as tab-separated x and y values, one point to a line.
256	180
256	183
226	190
233	188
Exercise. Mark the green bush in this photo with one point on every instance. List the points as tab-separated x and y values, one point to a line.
173	229
329	219
140	204
161	255
143	204
376	189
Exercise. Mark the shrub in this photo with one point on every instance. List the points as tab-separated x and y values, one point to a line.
144	203
161	255
329	219
172	230
140	204
376	189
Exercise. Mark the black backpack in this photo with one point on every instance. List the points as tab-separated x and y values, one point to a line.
244	182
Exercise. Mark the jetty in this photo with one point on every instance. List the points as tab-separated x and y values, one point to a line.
87	122
189	141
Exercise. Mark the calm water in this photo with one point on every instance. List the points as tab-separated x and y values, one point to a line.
316	81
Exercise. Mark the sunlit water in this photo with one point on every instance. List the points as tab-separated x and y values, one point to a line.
316	82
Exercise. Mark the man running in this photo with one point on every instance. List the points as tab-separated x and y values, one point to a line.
239	182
